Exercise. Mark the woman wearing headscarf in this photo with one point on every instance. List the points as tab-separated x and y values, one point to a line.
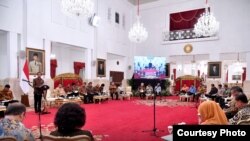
211	114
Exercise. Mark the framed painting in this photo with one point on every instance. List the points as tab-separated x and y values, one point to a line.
36	60
101	68
236	77
214	70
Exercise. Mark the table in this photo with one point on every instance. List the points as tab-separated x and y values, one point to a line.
167	137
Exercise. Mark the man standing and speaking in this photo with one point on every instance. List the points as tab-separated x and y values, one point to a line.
38	92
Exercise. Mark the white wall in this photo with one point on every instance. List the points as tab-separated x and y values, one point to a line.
233	34
66	55
3	55
113	37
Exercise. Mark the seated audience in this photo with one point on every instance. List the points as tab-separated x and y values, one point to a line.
158	90
11	124
68	89
213	92
97	89
149	89
192	91
113	90
90	93
69	120
184	89
59	91
211	114
141	90
6	95
82	89
200	91
226	91
244	109
232	109
102	91
219	97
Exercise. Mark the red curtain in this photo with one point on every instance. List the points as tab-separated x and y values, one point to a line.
78	66
53	66
185	20
227	76
244	74
174	71
199	73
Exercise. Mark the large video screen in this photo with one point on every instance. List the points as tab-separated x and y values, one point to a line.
149	67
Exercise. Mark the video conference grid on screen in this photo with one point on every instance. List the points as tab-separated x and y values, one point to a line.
149	67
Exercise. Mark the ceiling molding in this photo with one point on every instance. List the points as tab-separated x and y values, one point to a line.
134	2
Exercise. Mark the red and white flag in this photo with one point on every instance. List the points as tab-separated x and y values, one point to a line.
24	78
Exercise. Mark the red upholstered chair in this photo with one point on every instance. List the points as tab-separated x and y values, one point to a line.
67	78
188	80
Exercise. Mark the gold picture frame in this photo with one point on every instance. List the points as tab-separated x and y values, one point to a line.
214	70
101	68
36	60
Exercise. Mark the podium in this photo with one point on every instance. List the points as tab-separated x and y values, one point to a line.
25	100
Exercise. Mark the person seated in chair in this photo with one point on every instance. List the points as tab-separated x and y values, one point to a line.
149	89
90	93
184	89
11	124
232	109
7	95
74	92
200	92
113	90
141	90
192	91
102	92
158	90
60	91
244	109
211	114
213	92
69	120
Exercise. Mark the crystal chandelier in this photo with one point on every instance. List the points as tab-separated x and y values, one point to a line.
77	7
137	32
206	25
238	67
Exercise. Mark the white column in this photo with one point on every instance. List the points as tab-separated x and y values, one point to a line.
246	87
88	64
248	66
12	50
47	48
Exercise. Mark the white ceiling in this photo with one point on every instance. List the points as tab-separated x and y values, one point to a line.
134	2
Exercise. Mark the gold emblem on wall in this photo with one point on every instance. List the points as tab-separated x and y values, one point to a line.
188	48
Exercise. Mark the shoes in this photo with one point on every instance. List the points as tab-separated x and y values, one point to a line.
45	113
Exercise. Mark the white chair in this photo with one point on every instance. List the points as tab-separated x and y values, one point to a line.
50	98
128	93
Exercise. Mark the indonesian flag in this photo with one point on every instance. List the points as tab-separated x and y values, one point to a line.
24	78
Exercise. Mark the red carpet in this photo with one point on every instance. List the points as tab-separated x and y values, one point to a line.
125	120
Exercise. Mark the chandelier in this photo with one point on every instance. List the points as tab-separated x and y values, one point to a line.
207	24
238	67
77	7
137	32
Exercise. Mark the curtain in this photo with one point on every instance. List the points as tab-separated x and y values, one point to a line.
185	20
53	66
244	74
78	66
174	71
